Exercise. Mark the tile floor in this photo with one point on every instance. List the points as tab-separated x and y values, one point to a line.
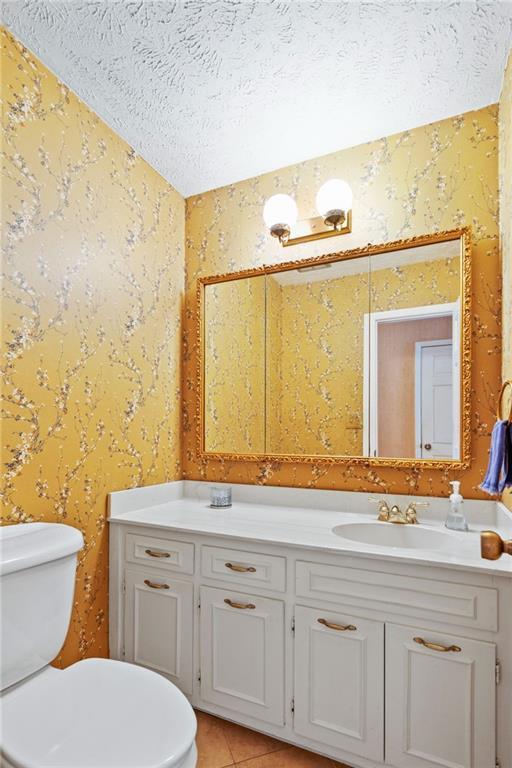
222	744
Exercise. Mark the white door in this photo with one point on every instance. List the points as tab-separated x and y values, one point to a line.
339	681
440	704
434	400
242	653
158	624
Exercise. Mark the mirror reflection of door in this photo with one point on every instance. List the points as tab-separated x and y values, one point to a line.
434	399
413	384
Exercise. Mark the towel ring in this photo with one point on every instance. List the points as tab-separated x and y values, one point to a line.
507	383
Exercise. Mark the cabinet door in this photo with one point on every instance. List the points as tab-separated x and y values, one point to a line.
440	704
339	681
158	625
242	653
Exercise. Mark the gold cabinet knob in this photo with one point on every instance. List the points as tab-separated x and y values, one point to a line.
492	546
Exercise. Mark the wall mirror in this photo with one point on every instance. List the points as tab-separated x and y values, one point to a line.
361	355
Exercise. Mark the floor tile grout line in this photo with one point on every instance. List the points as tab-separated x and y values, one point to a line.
247	762
225	725
282	747
224	728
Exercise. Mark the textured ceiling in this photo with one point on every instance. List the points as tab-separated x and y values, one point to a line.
213	91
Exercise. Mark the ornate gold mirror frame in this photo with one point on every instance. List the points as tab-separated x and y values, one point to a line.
464	235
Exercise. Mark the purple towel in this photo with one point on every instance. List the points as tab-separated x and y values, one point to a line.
499	470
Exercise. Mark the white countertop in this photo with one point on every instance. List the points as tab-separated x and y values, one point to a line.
309	529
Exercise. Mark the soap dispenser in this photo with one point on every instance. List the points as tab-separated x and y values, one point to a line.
456	520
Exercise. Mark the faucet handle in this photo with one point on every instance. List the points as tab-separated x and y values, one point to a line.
383	508
410	512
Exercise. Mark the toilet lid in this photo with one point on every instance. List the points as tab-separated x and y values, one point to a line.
98	713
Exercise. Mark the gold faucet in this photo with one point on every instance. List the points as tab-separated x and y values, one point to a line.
383	509
396	515
411	511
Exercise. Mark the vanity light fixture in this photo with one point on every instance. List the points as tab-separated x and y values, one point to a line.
334	204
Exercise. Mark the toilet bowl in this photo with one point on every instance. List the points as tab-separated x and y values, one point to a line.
97	713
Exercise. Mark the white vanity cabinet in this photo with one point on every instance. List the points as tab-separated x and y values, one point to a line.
159	604
242	653
343	655
158	624
440	699
339	680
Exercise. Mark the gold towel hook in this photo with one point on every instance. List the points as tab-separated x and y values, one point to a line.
506	383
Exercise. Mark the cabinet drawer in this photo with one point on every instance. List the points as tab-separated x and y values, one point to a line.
164	554
442	601
240	567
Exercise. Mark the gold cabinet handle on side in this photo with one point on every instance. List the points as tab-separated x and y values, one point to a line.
337	627
242	606
154	585
437	646
152	553
240	568
492	546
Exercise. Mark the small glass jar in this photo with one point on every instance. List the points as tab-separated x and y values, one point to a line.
220	496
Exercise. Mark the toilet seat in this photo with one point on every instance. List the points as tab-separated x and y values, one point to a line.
98	713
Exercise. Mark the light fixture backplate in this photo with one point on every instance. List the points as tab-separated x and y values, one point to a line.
307	230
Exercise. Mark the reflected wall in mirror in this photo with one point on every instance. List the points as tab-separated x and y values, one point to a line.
315	358
234	378
362	355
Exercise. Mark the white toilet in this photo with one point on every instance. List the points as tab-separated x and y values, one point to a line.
97	713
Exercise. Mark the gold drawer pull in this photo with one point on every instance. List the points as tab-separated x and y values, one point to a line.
240	568
251	606
154	585
338	627
152	553
436	646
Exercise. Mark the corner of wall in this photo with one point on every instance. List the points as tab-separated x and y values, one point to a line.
505	202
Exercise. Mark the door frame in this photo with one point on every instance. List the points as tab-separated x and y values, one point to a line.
371	322
419	346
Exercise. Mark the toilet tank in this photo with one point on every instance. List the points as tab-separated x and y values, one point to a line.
37	583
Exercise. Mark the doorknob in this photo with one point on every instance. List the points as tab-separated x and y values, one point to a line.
428	446
492	546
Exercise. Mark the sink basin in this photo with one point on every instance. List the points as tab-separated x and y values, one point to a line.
392	535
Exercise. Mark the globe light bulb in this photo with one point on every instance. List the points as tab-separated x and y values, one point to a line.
280	209
333	201
280	214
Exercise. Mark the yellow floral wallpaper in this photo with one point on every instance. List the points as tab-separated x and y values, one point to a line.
505	152
435	177
234	321
93	282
